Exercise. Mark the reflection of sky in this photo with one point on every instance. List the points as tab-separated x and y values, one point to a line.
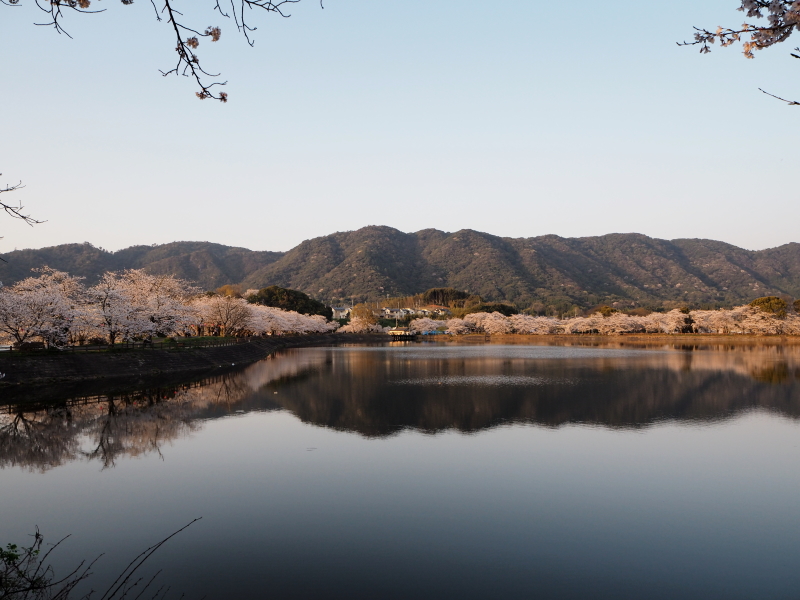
433	388
691	512
480	380
295	503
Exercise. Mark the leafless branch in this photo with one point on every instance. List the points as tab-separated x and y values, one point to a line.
121	581
54	9
188	62
16	211
26	574
789	102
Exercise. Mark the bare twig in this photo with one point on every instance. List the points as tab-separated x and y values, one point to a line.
187	39
25	573
136	563
53	8
16	211
789	102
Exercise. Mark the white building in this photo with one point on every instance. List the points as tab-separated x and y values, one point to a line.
341	312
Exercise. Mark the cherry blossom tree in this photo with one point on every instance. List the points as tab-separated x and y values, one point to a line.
40	307
360	325
526	324
85	326
306	324
782	19
119	309
583	325
163	299
613	324
675	321
425	324
275	321
267	320
458	326
222	315
496	323
475	320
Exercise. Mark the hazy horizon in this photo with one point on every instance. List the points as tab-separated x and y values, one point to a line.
117	249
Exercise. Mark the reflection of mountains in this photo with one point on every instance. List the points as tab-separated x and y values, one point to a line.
376	397
378	392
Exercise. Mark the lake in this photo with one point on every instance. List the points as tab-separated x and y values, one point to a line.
432	470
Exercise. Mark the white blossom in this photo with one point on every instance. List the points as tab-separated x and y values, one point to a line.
40	308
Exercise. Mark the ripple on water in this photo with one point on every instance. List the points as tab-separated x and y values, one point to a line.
482	380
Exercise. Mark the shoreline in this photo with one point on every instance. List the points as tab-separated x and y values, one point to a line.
121	370
649	338
124	367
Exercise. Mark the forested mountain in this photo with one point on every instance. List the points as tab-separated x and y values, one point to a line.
209	265
369	263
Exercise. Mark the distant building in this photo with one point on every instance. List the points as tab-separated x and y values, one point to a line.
435	309
395	313
340	312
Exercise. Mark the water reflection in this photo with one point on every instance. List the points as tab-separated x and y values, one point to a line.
379	391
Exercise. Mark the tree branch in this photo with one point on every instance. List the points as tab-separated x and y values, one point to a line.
16	211
187	39
789	102
783	18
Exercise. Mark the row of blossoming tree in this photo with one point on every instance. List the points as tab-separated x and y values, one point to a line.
56	309
749	319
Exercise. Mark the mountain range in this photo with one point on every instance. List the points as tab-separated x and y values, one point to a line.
625	268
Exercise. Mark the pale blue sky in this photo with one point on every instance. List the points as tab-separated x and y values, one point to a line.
519	118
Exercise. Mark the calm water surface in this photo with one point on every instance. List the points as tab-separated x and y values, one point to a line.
432	471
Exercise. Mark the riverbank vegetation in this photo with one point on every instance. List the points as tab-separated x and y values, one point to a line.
764	316
26	574
55	309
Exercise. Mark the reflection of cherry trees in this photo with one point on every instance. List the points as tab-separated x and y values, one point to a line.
94	428
106	428
38	440
138	424
363	392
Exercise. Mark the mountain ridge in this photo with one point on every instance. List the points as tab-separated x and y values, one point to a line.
629	269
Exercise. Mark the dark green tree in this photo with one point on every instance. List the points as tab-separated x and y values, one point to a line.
605	310
772	305
444	296
490	307
287	299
